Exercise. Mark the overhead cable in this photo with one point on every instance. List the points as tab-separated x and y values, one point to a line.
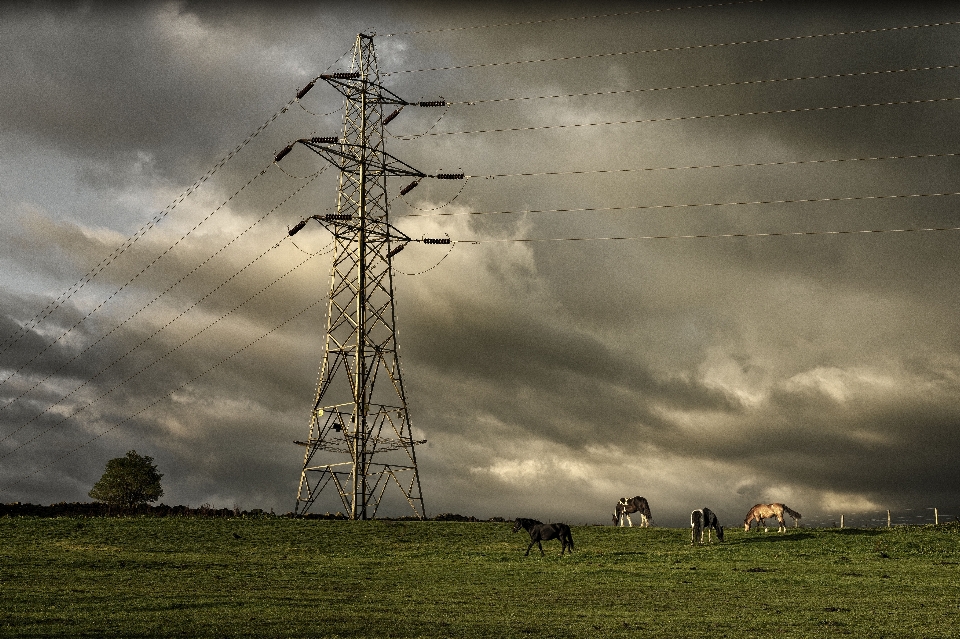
693	117
134	278
148	366
682	48
554	20
170	394
96	270
712	84
721	166
639	207
15	337
80	354
716	236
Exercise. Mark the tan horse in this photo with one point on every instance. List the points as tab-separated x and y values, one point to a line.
764	511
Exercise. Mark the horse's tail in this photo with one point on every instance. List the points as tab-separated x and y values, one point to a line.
696	526
796	516
568	535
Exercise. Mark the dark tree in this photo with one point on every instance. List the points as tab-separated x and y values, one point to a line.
129	481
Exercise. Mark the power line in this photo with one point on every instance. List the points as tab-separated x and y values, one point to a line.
145	368
712	85
15	337
170	394
707	236
135	277
681	48
692	117
143	308
639	207
720	166
553	20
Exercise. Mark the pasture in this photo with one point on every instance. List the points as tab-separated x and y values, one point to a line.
277	577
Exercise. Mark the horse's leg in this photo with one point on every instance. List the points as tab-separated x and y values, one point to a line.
629	520
782	527
541	548
527	554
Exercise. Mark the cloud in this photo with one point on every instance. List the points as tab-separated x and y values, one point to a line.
548	377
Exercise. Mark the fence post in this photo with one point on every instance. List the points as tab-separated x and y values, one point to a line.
888	518
841	521
936	516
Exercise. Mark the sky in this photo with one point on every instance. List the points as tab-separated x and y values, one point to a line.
660	281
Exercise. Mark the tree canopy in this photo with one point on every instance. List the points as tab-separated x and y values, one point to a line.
129	481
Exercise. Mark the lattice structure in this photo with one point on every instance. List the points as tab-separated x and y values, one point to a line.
360	443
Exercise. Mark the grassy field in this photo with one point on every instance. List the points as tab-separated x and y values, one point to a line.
274	577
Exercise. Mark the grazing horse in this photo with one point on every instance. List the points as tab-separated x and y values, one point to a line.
540	531
701	520
627	506
763	511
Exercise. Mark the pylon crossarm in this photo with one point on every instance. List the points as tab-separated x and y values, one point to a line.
349	157
345	227
349	84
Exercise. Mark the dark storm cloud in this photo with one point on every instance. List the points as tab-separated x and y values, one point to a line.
547	378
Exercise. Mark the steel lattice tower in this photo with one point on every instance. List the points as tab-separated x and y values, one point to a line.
360	439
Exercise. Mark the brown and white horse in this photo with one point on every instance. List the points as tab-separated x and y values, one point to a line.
764	511
701	520
628	506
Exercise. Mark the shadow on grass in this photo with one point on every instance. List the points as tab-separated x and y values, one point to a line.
755	538
772	538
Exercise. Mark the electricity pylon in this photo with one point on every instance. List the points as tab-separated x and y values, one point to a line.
360	439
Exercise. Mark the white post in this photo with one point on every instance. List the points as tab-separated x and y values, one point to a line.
841	521
936	517
888	519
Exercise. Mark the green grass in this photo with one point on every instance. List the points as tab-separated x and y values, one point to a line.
274	577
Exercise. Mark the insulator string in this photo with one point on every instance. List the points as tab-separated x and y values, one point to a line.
427	270
420	135
463	185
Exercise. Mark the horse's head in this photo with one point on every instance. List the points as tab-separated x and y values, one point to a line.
517	525
720	533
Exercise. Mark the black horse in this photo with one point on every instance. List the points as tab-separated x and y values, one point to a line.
540	531
701	520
